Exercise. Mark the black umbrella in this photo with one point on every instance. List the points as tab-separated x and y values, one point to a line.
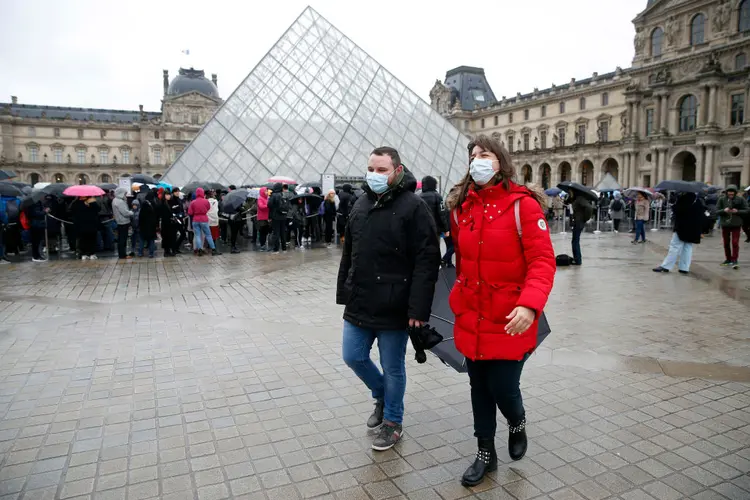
8	189
233	200
108	186
56	189
36	196
216	186
27	190
6	174
679	186
190	187
442	320
569	186
306	196
311	184
143	179
713	190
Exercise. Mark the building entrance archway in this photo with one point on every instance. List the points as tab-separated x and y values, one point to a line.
564	171
526	175
545	174
586	171
684	166
610	166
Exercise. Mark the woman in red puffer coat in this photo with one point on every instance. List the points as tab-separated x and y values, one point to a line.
504	276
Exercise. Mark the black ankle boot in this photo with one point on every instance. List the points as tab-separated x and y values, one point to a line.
517	442
485	462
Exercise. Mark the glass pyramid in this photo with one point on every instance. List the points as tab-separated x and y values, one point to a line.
317	103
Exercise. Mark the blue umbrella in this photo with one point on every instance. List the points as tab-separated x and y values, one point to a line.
553	191
165	185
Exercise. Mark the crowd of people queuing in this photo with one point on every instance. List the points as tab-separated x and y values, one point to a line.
133	222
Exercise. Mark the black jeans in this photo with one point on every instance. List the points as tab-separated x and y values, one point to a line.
235	226
616	223
122	240
449	250
279	234
495	384
87	243
37	236
578	228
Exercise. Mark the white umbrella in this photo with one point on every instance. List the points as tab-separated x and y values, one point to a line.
41	185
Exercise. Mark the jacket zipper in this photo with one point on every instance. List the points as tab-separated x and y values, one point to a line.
479	280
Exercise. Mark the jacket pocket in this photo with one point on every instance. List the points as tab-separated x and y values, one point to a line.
503	299
391	296
461	298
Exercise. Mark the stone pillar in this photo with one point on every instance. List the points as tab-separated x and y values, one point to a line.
745	175
703	115
657	114
654	167
629	130
712	105
709	170
634	169
699	168
662	165
626	167
665	114
637	119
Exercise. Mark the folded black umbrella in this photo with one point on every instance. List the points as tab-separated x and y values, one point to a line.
442	320
422	338
680	186
143	179
8	189
574	187
6	174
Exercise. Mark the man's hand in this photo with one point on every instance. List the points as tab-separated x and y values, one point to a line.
727	210
521	319
415	323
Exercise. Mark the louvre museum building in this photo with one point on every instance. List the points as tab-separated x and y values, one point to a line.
318	104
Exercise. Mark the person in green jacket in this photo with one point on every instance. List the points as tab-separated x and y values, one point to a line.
731	209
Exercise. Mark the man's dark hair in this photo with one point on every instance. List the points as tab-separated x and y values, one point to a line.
285	186
388	151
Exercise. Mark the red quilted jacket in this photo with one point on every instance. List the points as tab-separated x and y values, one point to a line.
496	271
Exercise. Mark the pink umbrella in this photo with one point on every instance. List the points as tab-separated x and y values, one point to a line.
83	190
282	179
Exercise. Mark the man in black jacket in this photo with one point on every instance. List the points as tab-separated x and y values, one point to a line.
434	202
278	208
386	281
689	213
346	202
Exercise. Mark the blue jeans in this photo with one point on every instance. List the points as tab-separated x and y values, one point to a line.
201	231
151	247
576	242
640	229
390	385
678	249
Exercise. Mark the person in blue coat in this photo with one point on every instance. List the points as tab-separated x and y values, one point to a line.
37	215
3	224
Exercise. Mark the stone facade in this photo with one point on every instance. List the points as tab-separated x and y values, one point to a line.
79	145
679	112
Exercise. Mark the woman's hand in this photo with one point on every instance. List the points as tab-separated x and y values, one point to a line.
521	319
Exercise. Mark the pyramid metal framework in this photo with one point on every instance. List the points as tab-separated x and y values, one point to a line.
317	103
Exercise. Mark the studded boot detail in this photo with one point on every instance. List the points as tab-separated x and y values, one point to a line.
486	461
517	441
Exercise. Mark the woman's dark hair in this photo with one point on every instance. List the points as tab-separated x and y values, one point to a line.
504	175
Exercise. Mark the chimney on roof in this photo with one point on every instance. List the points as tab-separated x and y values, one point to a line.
166	81
14	99
213	79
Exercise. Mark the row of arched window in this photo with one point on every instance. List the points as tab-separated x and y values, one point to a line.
698	29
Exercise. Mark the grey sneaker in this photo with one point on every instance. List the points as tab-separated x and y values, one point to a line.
389	435
377	415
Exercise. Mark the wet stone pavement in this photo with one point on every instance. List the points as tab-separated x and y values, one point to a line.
213	378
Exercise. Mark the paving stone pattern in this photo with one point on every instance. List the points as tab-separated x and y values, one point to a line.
214	378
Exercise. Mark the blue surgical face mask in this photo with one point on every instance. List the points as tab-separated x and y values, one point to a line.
481	170
377	182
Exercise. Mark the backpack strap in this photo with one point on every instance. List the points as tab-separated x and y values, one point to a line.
517	210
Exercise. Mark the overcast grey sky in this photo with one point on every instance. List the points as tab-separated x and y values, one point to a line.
107	54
